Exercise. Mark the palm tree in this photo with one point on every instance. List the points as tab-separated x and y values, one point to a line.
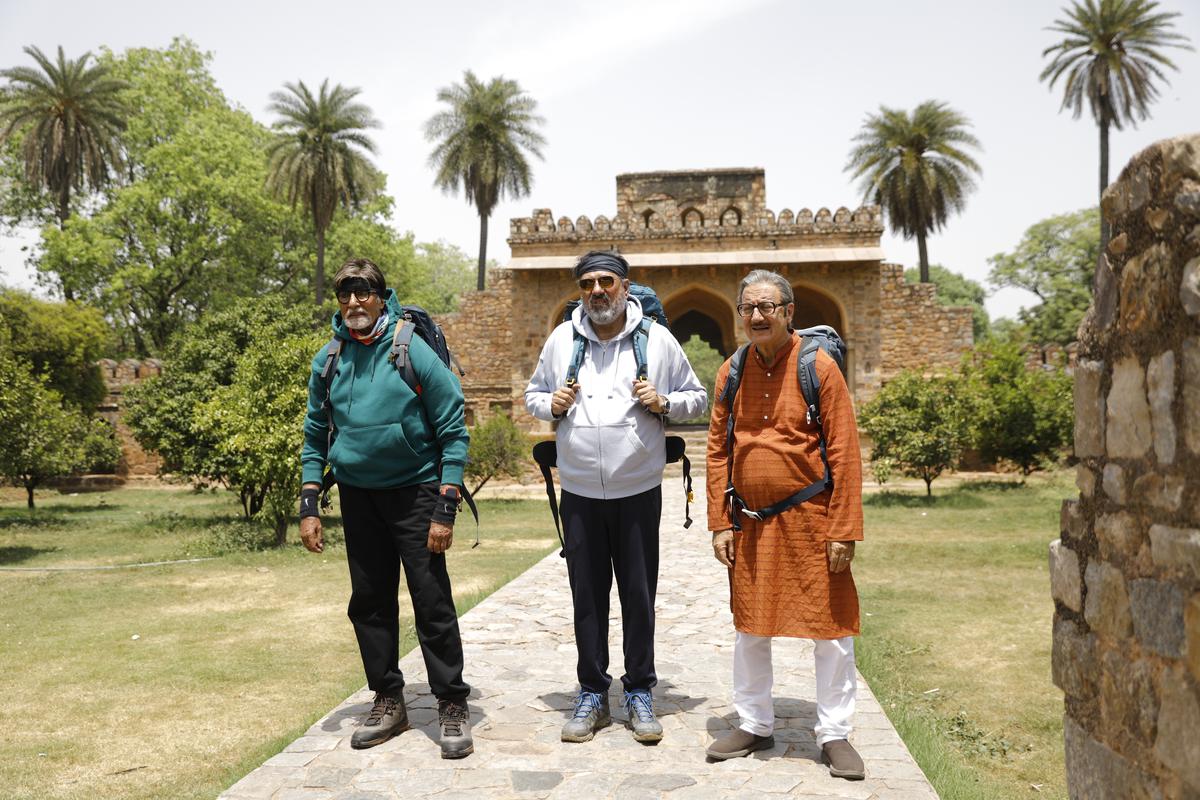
1111	56
71	116
319	156
916	167
482	137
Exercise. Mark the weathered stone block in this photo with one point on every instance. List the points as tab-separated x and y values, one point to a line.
1085	480
1189	398
1157	608
1160	379
1106	607
1127	699
1180	160
1176	548
1089	409
1114	483
1169	493
1065	584
1073	662
1095	771
1189	287
1157	218
1119	535
1191	635
1178	742
1128	414
1070	521
1118	244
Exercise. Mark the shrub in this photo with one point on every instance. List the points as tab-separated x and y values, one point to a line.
498	448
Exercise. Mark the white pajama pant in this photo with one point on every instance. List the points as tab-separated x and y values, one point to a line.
836	683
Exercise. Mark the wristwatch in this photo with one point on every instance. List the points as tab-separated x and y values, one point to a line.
666	405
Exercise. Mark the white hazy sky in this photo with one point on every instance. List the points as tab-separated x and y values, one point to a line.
640	85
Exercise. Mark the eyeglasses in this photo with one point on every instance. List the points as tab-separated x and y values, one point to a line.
606	282
361	295
766	308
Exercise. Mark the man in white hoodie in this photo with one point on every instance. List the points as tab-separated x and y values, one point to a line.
611	453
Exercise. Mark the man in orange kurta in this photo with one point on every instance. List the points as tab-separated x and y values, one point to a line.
789	573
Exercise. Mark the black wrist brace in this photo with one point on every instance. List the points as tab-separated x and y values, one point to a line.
446	507
308	502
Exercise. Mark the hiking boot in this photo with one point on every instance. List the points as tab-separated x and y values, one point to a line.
387	717
737	744
454	720
591	714
843	760
641	716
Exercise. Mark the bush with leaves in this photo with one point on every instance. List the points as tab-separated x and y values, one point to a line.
918	425
1023	416
498	448
42	438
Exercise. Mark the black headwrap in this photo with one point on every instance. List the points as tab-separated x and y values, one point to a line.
602	260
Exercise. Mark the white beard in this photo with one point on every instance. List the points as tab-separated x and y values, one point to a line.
359	322
606	316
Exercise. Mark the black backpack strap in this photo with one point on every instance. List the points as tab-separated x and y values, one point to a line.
546	456
732	380
676	451
580	344
401	340
810	384
641	342
332	355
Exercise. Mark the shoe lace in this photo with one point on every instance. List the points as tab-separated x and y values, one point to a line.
586	704
452	716
384	704
638	703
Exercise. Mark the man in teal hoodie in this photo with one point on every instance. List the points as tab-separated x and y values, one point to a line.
397	456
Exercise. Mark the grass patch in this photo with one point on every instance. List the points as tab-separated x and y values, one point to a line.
956	632
175	681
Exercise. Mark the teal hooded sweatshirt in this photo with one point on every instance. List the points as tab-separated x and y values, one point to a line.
386	435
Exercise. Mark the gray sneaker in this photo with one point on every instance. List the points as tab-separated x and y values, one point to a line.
591	714
387	717
646	728
454	719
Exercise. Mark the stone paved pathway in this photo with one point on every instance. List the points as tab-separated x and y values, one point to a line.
520	659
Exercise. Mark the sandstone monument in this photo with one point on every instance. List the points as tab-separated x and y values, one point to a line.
1125	574
692	236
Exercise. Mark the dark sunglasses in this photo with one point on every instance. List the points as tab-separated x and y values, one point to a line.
606	282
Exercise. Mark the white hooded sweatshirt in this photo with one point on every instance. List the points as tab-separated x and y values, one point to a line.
609	444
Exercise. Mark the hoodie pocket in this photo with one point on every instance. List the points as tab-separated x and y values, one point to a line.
357	451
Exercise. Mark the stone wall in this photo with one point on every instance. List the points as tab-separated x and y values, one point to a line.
118	376
1125	574
917	332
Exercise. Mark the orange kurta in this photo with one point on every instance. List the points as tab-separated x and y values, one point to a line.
781	584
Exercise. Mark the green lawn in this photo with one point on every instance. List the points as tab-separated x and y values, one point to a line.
174	681
956	632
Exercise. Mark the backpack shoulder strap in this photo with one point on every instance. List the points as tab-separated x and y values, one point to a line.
810	384
546	456
580	344
399	355
732	380
332	355
641	342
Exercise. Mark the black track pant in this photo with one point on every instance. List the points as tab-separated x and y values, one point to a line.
387	528
604	537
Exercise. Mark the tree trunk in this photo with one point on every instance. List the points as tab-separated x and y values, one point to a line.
1103	175
928	486
29	495
64	213
319	278
923	253
482	483
281	526
482	273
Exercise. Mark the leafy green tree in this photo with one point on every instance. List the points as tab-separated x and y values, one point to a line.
184	413
1110	56
61	341
319	156
69	117
705	361
441	273
1056	260
257	422
1020	415
954	289
918	425
498	448
482	138
42	439
917	167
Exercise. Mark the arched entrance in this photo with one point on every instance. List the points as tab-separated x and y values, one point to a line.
815	307
698	311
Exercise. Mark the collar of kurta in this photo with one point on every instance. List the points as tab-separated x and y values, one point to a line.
780	355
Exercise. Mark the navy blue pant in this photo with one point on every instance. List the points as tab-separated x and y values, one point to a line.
385	529
603	538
